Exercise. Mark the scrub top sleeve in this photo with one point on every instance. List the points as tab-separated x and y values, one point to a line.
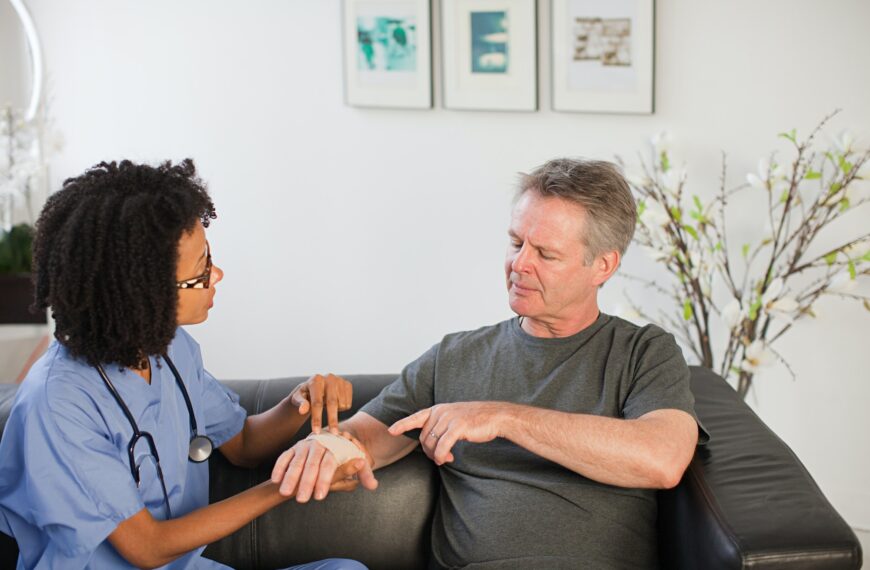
91	489
224	417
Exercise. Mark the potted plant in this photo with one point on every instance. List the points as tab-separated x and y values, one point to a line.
22	169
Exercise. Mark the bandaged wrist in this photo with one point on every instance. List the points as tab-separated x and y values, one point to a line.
343	449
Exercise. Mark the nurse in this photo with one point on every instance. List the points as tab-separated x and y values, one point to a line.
102	462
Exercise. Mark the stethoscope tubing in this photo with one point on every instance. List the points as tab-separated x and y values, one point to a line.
199	447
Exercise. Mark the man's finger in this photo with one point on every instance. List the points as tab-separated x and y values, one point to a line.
294	471
414	421
318	459
325	478
281	465
445	445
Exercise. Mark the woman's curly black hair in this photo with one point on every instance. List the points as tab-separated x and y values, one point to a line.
105	256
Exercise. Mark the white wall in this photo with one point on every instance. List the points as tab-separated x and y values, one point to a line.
354	239
14	75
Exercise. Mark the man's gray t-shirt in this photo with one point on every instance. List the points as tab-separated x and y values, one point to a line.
501	506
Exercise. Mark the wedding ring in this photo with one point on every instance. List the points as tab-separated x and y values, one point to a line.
433	434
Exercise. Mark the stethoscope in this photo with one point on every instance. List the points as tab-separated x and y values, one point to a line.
199	448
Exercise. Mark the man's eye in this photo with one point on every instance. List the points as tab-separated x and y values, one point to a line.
516	244
547	257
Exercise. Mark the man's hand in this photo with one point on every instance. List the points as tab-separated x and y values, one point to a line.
311	395
308	468
445	424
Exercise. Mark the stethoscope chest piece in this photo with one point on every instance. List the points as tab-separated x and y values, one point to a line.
200	448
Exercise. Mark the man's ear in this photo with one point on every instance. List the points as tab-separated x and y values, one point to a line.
605	266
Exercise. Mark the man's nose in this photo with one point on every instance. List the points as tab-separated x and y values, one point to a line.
522	260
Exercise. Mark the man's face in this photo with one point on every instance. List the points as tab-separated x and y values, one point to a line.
546	277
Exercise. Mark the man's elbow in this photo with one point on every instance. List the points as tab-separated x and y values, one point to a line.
669	473
670	478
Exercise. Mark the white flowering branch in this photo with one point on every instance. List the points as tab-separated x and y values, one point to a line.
781	280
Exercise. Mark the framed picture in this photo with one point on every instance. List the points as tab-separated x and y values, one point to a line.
387	53
603	54
490	54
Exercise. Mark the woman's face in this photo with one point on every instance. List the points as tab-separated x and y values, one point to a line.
193	253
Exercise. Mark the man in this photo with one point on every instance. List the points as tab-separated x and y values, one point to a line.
552	430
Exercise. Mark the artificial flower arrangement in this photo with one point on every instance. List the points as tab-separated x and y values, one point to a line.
756	292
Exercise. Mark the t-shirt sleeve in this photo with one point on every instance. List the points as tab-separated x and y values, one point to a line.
224	417
660	379
76	502
412	391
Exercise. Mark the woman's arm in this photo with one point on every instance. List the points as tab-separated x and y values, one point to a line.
146	542
265	435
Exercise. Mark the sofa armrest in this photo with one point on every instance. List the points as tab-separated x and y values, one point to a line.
746	501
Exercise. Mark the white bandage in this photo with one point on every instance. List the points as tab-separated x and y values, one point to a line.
343	449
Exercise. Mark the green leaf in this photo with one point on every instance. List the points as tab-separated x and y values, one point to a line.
784	198
753	309
687	310
676	213
845	165
835	187
813	175
867	304
866	257
718	247
831	258
665	161
15	249
844	204
791	135
691	231
745	249
852	273
698	204
641	207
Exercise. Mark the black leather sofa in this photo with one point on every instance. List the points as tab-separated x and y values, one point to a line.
746	501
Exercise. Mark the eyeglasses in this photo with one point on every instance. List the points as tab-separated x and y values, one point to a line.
201	282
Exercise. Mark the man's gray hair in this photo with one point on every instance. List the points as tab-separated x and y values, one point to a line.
597	186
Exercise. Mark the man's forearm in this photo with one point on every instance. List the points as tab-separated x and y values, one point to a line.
650	452
382	447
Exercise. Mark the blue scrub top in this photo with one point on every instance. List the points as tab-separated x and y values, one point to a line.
65	481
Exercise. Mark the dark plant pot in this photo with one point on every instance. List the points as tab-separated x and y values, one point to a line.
16	296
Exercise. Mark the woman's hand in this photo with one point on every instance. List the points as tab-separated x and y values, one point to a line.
311	395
